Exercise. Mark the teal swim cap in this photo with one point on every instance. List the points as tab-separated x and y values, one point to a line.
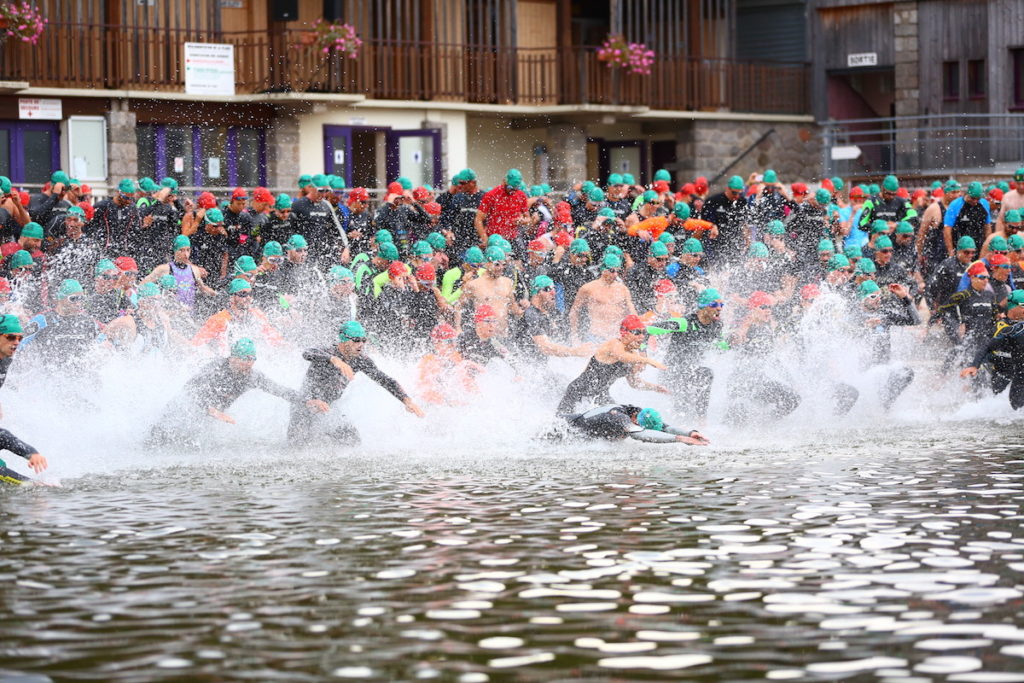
693	246
998	243
658	250
244	348
904	228
662	174
350	330
238	285
69	287
758	250
273	248
474	256
596	195
890	183
149	289
606	213
32	230
649	418
853	251
21	259
9	324
838	261
296	242
494	255
171	184
770	176
612	249
650	196
667	238
883	242
282	202
541	282
404	182
148	185
867	288
681	211
735	183
244	264
305	180
422	248
826	245
866	266
579	246
775	228
387	251
437	241
383	235
878	226
341	273
611	262
615	179
103	265
966	242
1015	299
127	186
707	297
182	241
168	282
214	216
494	240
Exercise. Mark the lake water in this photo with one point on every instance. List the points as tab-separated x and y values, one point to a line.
890	552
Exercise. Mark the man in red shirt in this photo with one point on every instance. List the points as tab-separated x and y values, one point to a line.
502	210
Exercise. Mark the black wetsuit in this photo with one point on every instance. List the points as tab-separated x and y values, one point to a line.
8	441
976	311
534	323
615	422
687	377
478	350
312	220
748	384
641	280
594	383
570	278
729	215
324	382
458	211
892	313
64	341
1005	351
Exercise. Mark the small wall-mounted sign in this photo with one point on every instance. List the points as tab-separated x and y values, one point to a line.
862	59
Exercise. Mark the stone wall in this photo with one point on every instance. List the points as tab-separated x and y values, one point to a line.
908	93
283	152
705	148
122	146
567	154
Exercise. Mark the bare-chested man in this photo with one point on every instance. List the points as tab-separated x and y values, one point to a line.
606	302
1012	200
492	289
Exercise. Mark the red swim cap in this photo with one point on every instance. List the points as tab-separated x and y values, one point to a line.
760	298
443	332
631	323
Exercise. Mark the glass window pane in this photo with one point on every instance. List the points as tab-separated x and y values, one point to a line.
214	161
247	157
88	148
624	160
38	155
416	159
178	140
5	152
145	142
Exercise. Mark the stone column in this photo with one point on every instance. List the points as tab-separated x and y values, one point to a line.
122	145
567	153
908	92
283	153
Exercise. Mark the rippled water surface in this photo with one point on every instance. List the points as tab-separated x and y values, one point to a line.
875	554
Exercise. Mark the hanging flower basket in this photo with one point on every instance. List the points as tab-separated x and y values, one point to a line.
21	22
341	39
634	58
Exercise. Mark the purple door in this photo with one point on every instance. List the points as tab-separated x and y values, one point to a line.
29	151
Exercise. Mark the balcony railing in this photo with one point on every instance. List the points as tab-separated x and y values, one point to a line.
116	57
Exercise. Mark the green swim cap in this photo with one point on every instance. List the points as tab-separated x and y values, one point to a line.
69	287
147	185
127	186
171	184
890	183
975	190
879	225
422	248
494	255
336	182
1004	186
628	179
350	330
1016	242
606	213
587	186
837	183
181	241
693	246
838	261
650	196
238	285
883	242
437	241
966	242
873	189
952	186
998	243
387	251
681	210
615	179
214	216
536	190
667	238
662	174
826	245
579	246
541	282
474	256
147	290
305	180
320	180
341	273
853	251
904	228
5	184
20	259
867	288
649	418
758	250
1012	216
822	196
32	230
735	183
611	261
771	176
776	228
514	178
404	182
707	297
9	324
596	195
282	202
612	249
866	266
468	174
296	242
103	265
658	250
273	248
244	348
494	240
1015	299
168	282
383	236
244	264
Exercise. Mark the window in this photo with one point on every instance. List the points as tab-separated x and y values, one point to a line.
203	156
87	147
29	152
1017	58
951	80
976	86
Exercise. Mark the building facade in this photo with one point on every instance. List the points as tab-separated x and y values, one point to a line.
438	85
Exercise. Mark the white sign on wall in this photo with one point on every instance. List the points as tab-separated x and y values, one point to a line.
31	108
339	157
213	167
209	69
862	59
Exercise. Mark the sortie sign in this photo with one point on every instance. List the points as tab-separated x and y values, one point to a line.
209	69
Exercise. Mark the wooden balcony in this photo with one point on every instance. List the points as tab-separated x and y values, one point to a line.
114	57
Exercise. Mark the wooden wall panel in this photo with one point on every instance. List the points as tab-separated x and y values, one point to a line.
950	30
847	30
536	70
